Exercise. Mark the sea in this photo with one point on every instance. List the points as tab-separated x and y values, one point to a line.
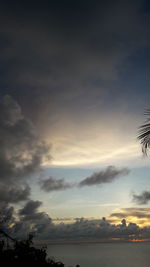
101	254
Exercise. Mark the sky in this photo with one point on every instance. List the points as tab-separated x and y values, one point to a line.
74	87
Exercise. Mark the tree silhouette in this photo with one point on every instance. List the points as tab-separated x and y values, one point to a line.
23	253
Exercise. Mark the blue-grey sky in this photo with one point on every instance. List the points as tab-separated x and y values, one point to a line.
75	74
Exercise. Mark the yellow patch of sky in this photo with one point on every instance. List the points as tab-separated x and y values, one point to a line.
142	222
93	141
93	156
139	216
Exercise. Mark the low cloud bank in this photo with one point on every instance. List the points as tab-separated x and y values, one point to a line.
30	220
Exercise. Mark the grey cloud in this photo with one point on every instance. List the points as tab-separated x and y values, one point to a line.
22	151
14	194
83	228
44	228
10	111
107	176
29	215
53	184
30	207
143	198
31	220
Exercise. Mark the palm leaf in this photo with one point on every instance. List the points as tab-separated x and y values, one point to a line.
144	134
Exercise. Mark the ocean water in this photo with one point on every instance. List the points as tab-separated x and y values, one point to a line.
102	254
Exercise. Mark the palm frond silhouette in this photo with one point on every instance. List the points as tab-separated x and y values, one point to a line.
144	134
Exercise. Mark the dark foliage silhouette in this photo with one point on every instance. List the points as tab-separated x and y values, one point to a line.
23	253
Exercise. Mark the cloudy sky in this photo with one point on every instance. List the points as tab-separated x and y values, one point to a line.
74	86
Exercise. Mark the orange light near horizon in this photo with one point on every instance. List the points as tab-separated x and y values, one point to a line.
139	240
141	222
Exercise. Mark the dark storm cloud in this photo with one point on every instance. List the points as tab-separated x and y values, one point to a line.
57	53
30	207
107	176
14	194
53	184
31	220
143	198
21	154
